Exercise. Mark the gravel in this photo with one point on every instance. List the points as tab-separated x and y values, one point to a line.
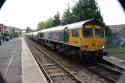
82	73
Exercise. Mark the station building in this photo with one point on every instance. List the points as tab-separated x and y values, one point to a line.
2	28
12	29
118	32
117	28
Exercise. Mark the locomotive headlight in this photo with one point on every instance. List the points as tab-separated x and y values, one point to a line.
103	47
85	46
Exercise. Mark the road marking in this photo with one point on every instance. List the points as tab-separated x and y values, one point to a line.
8	66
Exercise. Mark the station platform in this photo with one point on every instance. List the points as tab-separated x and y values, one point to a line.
17	64
10	61
115	58
31	72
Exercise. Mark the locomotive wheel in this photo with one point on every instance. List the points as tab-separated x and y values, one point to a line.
90	57
87	57
74	55
53	47
80	56
65	51
60	49
100	55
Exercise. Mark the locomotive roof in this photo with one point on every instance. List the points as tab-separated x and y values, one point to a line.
36	32
80	24
53	29
73	25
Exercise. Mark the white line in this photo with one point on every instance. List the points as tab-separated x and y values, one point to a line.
8	66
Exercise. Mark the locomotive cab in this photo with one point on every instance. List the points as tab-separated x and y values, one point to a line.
89	38
93	38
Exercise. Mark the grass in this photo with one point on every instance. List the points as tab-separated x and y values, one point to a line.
120	50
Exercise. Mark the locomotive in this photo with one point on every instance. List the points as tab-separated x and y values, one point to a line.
81	40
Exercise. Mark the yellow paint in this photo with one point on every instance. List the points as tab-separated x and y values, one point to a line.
86	44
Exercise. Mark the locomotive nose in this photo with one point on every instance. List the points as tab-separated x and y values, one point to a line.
93	44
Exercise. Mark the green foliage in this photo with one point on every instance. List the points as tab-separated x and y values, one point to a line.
67	17
45	24
83	10
8	34
14	34
108	31
50	22
120	50
56	20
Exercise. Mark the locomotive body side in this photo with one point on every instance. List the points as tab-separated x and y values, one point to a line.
86	38
57	35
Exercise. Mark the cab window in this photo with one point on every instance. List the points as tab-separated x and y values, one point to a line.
99	32
87	32
75	32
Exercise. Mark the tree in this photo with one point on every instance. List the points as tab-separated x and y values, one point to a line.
56	20
45	24
50	22
27	30
86	9
83	10
108	31
68	16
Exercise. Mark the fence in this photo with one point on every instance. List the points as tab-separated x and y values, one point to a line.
112	42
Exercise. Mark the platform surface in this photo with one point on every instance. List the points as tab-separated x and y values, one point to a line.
31	73
115	58
17	65
10	61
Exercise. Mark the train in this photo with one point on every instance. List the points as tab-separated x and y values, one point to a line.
83	40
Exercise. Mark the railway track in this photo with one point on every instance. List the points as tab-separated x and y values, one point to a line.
104	71
54	72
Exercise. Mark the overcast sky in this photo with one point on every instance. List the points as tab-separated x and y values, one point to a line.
23	13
